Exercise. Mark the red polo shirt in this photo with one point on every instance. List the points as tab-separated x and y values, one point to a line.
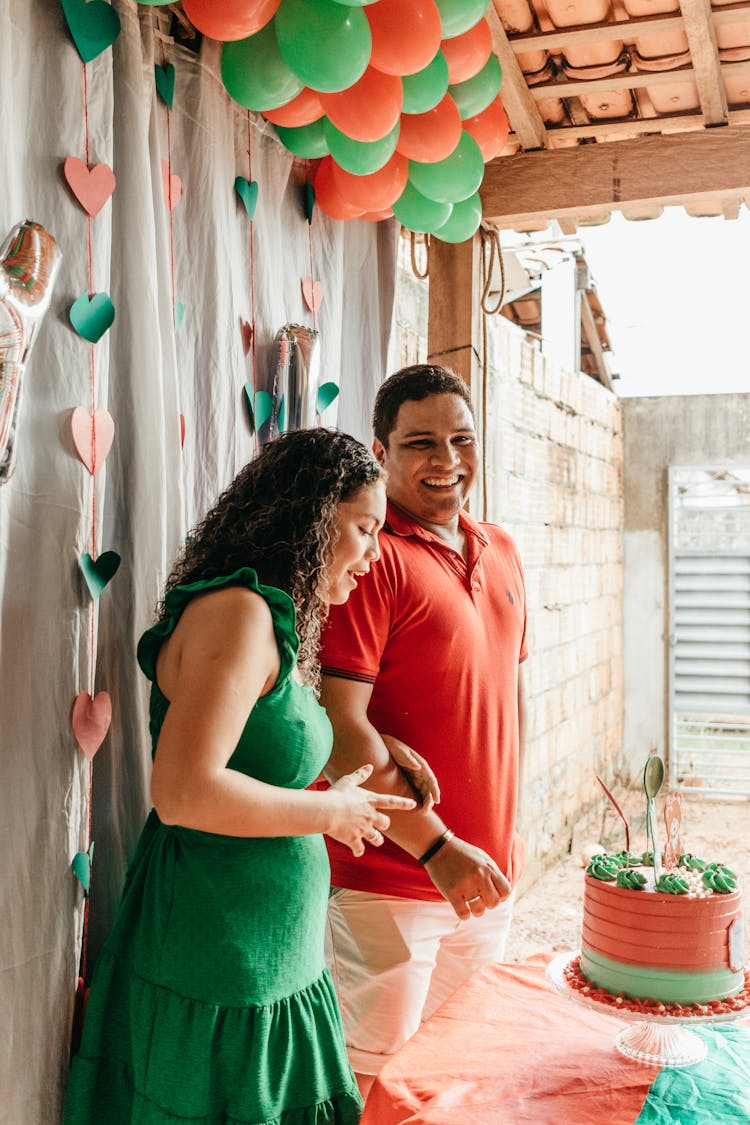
440	640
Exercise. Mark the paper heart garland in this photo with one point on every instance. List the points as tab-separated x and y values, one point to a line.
93	26
246	331
172	186
81	868
179	313
327	392
259	404
164	76
248	193
92	186
92	316
312	291
90	720
182	431
99	571
308	201
93	435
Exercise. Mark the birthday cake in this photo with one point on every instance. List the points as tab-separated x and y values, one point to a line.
677	939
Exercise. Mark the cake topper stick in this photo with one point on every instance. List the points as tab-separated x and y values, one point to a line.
619	810
653	778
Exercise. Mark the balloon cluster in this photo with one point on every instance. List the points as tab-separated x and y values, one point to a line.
396	100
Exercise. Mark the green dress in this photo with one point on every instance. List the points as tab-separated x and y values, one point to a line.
210	1002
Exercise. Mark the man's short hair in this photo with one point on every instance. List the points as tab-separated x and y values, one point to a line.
413	384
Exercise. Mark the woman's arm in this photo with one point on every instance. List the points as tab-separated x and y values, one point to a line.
221	658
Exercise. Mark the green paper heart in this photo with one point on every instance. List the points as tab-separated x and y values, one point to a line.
179	313
91	317
327	392
99	571
164	76
94	26
81	867
309	201
259	404
248	193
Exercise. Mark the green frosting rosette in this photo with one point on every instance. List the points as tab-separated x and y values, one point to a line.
691	862
626	859
603	867
630	879
672	884
719	879
647	859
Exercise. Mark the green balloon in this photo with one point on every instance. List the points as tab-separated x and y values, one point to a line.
423	90
326	44
455	178
457	16
255	74
475	94
418	213
360	157
463	222
308	141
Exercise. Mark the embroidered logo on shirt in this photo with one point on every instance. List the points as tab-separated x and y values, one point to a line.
510	597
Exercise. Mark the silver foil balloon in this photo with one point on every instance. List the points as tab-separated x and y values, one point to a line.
295	379
29	261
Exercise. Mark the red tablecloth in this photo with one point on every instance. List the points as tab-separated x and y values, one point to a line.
506	1049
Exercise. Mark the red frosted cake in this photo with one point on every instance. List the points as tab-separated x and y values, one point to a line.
680	944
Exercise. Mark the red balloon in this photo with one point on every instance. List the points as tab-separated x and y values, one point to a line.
405	37
327	195
376	191
369	109
430	136
376	216
467	53
489	129
302	110
231	19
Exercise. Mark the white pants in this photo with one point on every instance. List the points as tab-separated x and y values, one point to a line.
395	960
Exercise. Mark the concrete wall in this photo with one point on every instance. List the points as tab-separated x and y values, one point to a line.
553	457
659	432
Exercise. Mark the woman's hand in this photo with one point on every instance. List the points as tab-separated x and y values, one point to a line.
356	819
418	772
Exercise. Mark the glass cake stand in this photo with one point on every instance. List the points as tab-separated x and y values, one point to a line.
663	1040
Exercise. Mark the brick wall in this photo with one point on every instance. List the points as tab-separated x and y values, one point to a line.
553	475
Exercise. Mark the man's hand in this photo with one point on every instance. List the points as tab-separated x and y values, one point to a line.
467	878
418	771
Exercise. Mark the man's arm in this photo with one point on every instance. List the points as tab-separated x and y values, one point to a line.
459	870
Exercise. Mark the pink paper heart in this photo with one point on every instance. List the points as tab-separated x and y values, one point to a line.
92	436
172	186
182	431
312	291
92	187
91	720
247	335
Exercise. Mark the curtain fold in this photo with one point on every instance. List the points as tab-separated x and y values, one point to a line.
54	641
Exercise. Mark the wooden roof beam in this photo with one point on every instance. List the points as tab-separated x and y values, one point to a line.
704	51
523	114
632	80
668	170
595	345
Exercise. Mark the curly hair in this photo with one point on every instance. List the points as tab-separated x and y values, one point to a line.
278	516
413	384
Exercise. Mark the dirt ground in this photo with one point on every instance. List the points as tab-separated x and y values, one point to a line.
548	915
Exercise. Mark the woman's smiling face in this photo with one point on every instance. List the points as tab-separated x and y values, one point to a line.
358	522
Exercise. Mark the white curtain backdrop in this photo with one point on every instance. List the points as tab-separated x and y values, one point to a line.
150	491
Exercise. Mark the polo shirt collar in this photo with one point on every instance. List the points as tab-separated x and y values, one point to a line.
400	523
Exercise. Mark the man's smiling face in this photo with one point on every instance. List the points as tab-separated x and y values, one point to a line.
431	458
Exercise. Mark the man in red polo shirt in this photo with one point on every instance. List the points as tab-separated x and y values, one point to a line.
426	653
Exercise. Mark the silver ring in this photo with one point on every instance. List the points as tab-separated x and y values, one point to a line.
477	898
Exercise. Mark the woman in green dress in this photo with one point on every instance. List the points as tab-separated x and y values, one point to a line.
211	1003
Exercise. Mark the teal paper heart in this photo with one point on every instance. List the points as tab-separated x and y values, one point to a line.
327	392
91	317
308	201
94	26
164	76
99	571
260	405
179	313
248	193
81	867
